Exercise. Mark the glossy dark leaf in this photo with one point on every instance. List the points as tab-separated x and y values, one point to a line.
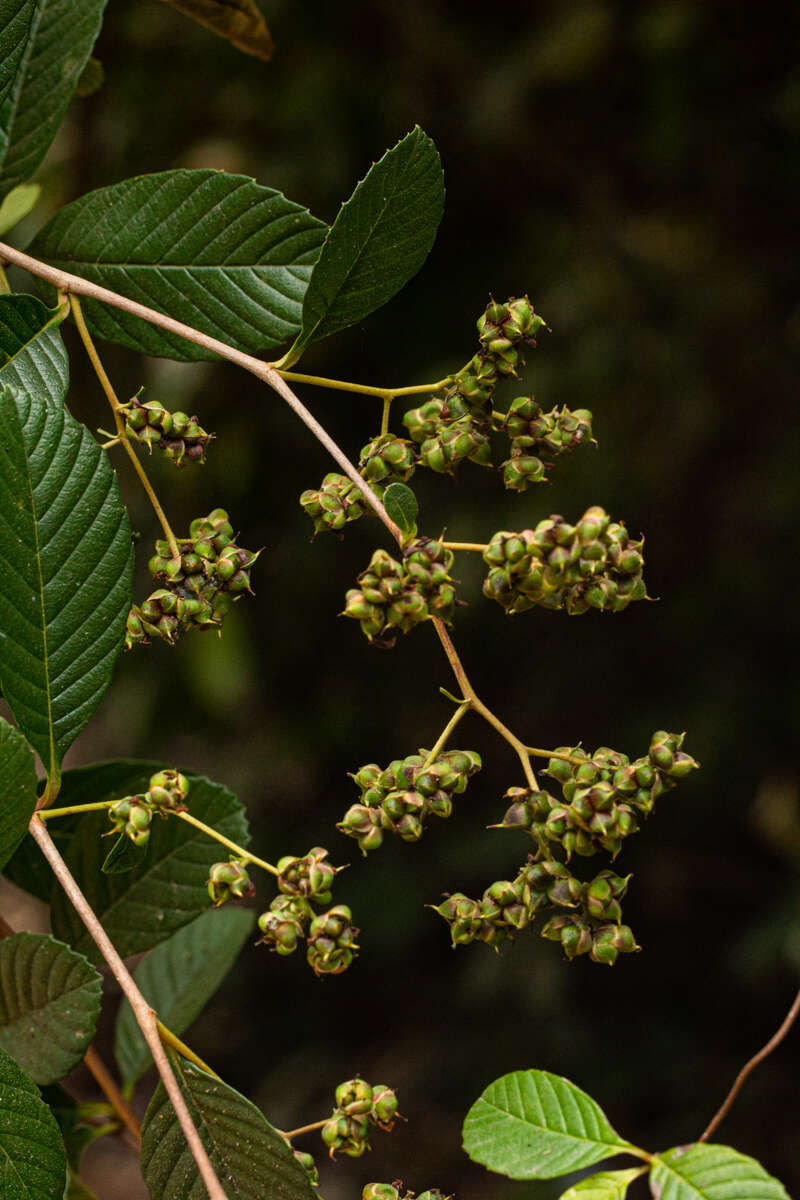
49	42
49	1002
379	240
215	251
33	1165
251	1159
67	563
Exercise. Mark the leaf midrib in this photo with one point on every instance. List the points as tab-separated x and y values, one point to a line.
529	1124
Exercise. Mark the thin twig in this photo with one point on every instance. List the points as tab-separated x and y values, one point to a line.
122	436
239	851
293	1133
477	705
144	1014
105	1082
774	1041
76	286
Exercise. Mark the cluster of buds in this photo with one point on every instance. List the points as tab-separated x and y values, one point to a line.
400	798
593	564
229	881
133	815
334	504
457	426
508	906
394	1191
396	595
198	585
534	432
330	936
180	436
359	1107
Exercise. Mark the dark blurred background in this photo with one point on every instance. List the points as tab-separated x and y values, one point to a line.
635	168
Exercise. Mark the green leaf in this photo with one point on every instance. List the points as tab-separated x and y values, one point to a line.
123	856
401	505
534	1125
711	1172
49	1001
379	240
32	355
250	1157
178	979
47	64
606	1185
17	204
147	905
18	788
15	26
238	21
67	562
33	1165
215	251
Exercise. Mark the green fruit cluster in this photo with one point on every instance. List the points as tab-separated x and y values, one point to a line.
396	595
385	459
336	502
330	936
593	564
455	427
508	906
359	1107
394	1191
603	793
133	815
229	881
198	585
534	432
400	798
310	876
180	436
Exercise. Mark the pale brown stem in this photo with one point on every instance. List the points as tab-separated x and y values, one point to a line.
774	1041
477	705
102	1076
74	285
144	1014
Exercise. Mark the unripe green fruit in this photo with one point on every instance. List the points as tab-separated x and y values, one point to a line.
355	1095
380	1191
